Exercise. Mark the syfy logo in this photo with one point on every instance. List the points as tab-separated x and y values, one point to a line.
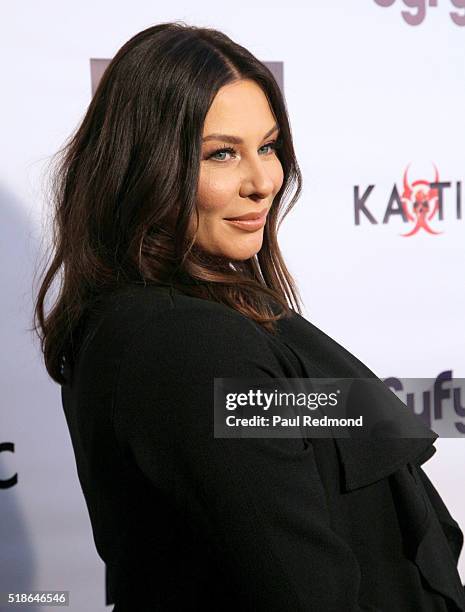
438	402
420	7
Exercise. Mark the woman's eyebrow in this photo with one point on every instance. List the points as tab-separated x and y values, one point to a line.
236	139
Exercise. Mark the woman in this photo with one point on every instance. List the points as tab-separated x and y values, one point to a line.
161	293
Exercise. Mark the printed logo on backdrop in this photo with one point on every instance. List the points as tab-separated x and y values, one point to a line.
98	67
7	480
421	203
418	9
439	402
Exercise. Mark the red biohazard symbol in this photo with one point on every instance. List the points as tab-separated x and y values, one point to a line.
420	197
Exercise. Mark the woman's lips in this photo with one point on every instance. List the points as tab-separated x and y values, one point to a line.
250	225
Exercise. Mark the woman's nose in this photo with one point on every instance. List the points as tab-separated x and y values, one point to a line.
257	179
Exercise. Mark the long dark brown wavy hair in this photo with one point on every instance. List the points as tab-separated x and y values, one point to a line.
124	188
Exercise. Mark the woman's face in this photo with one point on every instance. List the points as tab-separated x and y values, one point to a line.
240	171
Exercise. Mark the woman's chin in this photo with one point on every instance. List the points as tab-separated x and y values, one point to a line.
241	254
237	249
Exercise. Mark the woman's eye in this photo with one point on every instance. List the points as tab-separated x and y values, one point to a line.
221	152
271	145
229	150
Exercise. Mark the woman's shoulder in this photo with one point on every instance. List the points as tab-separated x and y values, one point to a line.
153	302
151	330
155	315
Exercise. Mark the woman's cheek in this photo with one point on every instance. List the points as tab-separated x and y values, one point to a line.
214	195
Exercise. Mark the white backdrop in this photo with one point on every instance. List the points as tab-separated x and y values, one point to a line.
372	88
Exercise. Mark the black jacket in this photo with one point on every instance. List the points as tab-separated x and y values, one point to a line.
186	521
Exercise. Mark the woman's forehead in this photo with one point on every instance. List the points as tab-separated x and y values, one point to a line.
239	107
